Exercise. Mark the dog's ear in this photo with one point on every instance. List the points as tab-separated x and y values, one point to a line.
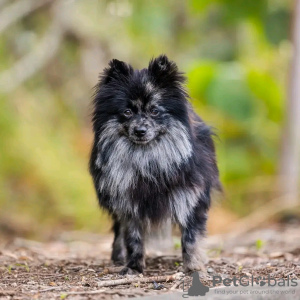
116	69
165	71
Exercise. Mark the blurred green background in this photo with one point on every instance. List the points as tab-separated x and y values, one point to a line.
235	53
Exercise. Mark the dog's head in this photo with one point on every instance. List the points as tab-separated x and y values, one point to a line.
143	103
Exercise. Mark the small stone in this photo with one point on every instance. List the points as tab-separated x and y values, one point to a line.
276	254
210	270
91	270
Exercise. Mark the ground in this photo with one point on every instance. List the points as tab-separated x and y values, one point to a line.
76	265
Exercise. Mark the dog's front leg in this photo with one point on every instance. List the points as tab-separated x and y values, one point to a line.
135	247
118	255
193	233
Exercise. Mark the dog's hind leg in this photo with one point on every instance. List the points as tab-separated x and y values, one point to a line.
134	237
118	255
193	233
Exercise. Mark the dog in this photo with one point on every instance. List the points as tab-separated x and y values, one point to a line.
152	159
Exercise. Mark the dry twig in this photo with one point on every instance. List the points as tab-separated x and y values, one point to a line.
175	286
140	279
48	289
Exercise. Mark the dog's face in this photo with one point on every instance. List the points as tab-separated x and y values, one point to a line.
142	103
143	121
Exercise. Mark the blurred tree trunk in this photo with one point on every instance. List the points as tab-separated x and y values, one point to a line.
290	159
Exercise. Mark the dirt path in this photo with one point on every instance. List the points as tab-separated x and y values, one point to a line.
76	265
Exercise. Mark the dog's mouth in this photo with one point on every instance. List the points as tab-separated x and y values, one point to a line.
141	141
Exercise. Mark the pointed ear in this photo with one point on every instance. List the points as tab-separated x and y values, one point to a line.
165	71
116	69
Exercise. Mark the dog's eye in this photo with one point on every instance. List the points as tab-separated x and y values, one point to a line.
154	111
127	113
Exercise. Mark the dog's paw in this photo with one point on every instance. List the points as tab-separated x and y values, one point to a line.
192	268
195	260
118	263
129	271
195	263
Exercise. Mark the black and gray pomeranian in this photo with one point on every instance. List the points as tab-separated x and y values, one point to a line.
152	159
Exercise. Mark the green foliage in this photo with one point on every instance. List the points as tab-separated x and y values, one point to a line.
229	93
235	54
259	244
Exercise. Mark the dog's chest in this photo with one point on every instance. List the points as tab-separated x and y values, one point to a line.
145	180
148	187
125	163
122	173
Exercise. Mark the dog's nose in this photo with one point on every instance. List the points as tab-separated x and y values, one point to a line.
140	131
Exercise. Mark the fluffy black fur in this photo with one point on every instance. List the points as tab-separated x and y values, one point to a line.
153	158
